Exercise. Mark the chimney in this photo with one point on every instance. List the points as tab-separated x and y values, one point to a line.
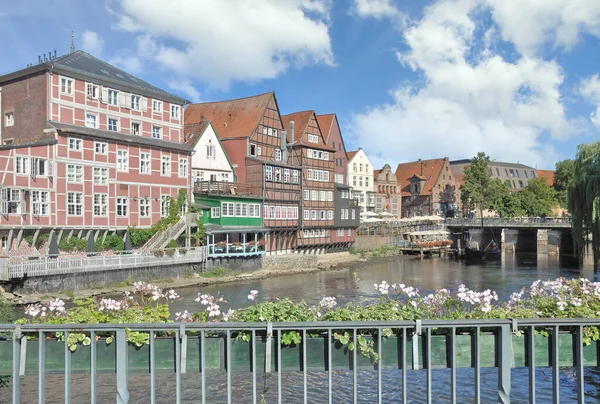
284	149
202	118
49	55
54	53
39	59
360	148
292	125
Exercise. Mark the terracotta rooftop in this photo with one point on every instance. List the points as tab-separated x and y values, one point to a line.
325	122
301	120
376	173
429	169
351	154
193	131
548	175
233	118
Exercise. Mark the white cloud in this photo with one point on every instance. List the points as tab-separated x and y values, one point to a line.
220	41
472	100
185	87
590	90
130	63
92	43
375	8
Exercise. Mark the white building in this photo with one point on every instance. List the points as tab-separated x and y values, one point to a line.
360	178
209	159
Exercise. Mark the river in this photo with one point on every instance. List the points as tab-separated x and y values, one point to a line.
510	275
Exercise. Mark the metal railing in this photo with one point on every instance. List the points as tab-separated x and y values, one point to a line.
541	222
230	188
420	347
48	265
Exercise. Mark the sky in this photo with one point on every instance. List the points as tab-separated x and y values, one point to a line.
408	79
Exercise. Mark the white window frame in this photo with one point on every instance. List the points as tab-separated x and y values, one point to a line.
9	119
215	212
67	86
183	167
88	123
100	176
39	167
145	207
100	205
286	175
122	206
295	176
75	201
306	214
139	129
157	106
156	130
123	160
116	125
112	97
101	148
22	165
145	163
75	144
175	111
268	173
278	154
165	204
136	102
227	209
165	166
40	203
92	90
75	173
307	194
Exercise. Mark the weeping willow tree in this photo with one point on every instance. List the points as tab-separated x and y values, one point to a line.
584	200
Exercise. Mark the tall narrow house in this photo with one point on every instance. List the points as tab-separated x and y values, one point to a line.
85	146
308	149
251	131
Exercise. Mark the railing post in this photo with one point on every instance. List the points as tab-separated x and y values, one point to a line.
504	358
16	358
122	389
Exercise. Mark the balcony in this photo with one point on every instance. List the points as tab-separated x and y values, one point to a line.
224	241
226	188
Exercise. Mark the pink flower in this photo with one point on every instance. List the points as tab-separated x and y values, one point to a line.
253	294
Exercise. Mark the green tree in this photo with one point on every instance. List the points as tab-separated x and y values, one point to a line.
538	198
200	235
477	180
583	198
563	176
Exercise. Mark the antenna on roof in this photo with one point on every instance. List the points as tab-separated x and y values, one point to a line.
72	41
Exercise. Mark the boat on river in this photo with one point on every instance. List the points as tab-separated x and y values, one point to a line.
490	252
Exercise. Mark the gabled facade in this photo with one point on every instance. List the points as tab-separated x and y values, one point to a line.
387	191
428	187
251	131
209	159
308	149
84	145
333	138
360	178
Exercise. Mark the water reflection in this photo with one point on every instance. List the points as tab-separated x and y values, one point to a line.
505	277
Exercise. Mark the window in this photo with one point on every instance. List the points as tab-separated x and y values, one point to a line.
144	163
521	184
135	128
268	173
156	132
360	181
144	207
22	165
113	124
354	181
39	167
339	178
322	195
353	214
498	171
277	154
326	156
165	203
122	206
517	172
306	214
278	174
211	151
525	172
100	204
313	214
252	149
295	176
113	97
175	111
313	138
227	209
157	106
9	119
286	175
506	171
348	232
136	102
75	144
306	195
101	148
66	86
354	167
74	203
39	203
224	177
366	181
100	175
314	195
122	160
165	168
91	121
514	184
11	201
74	173
92	90
532	174
183	168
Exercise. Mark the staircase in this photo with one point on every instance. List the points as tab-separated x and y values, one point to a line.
161	239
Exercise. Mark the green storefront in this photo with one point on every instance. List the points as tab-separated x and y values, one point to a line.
234	225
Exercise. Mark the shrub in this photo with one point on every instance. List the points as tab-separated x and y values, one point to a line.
112	242
72	244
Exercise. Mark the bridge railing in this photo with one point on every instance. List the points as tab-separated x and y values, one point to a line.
514	221
211	363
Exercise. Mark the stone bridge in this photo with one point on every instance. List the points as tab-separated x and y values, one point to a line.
527	234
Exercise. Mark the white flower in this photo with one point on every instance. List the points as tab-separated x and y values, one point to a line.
328	302
576	301
172	295
183	317
261	318
253	294
227	316
383	287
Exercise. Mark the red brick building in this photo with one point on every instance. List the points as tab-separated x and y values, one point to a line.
252	133
84	145
333	138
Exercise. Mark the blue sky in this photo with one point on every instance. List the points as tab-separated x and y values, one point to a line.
408	79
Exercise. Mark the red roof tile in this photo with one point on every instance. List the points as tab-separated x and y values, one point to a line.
325	122
193	131
430	169
351	154
548	175
233	118
301	120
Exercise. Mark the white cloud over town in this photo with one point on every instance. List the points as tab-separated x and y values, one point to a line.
92	43
590	91
375	8
256	40
474	99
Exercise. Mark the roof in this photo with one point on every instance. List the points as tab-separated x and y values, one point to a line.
425	169
548	175
84	66
376	173
301	120
325	122
233	118
119	137
351	154
492	163
193	132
